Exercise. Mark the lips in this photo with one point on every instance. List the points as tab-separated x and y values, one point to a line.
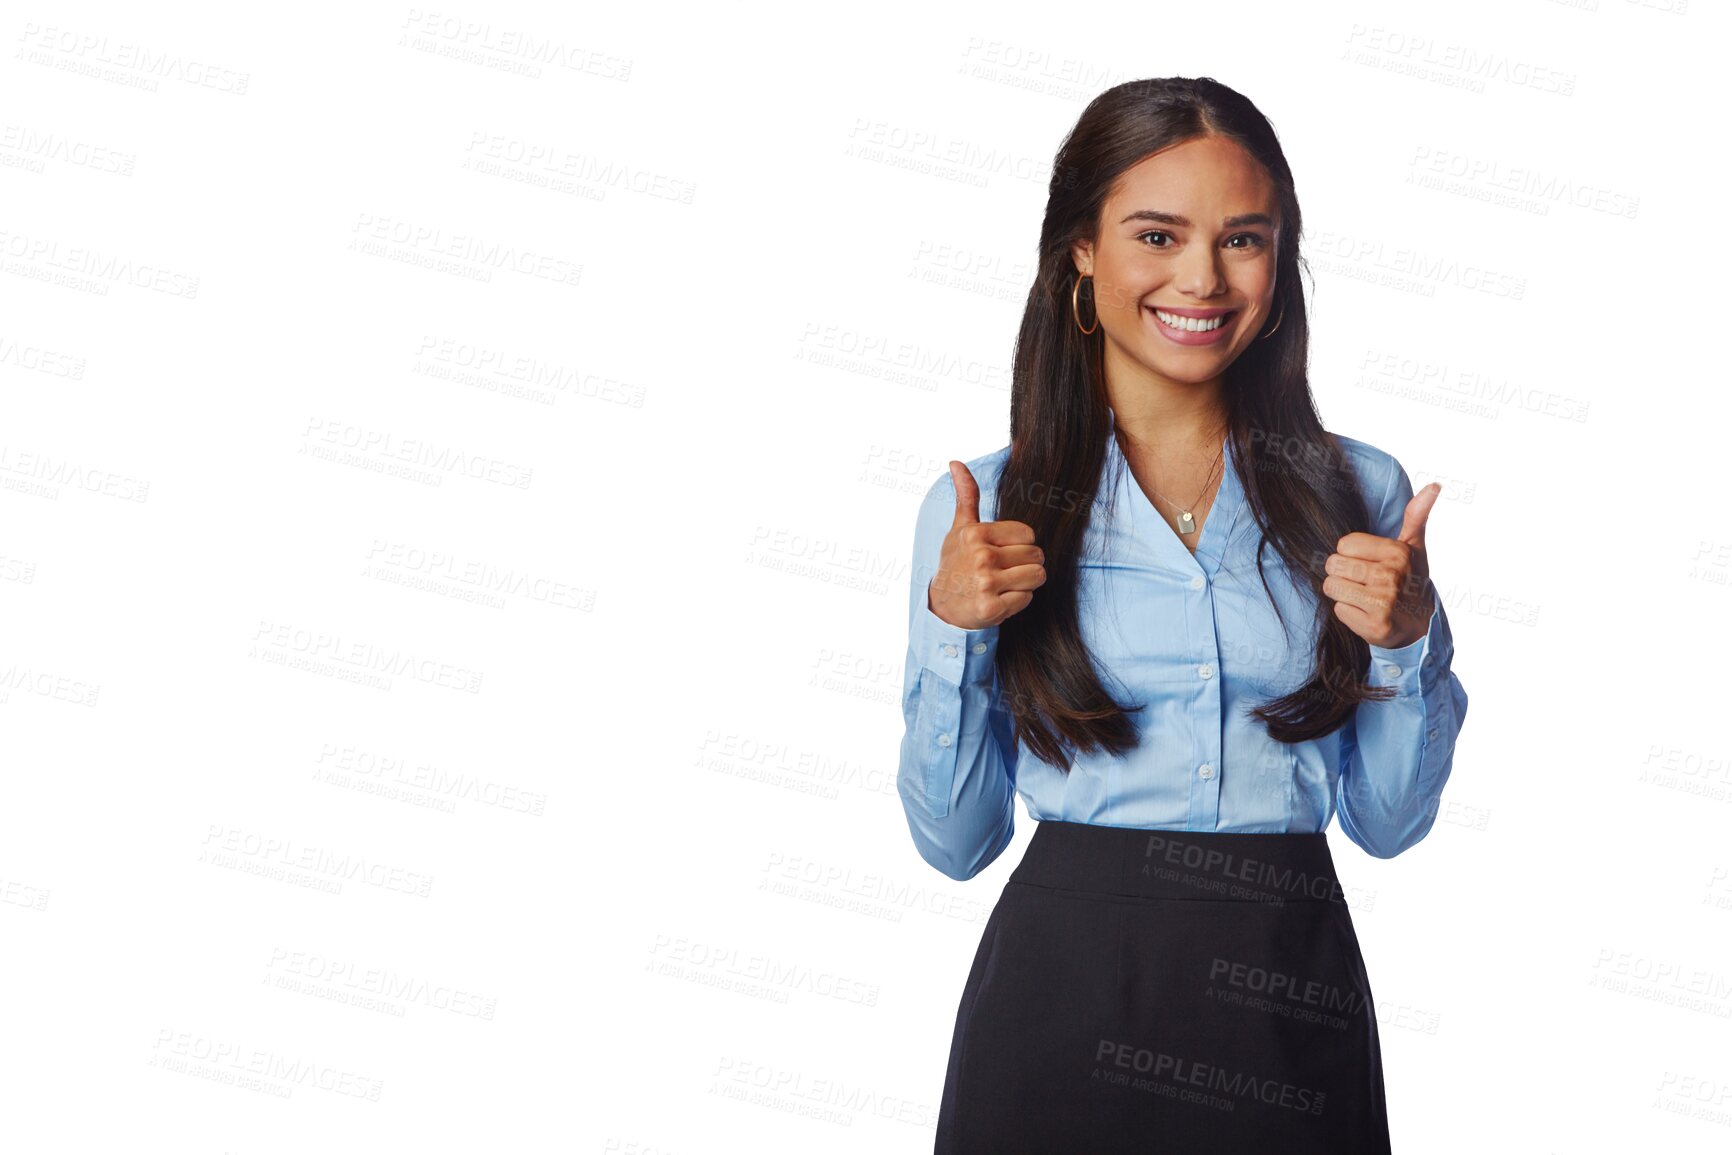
1181	327
1191	311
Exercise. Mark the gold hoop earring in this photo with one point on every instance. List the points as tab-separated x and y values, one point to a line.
1279	317
1075	315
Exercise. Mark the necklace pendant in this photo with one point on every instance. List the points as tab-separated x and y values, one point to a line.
1187	523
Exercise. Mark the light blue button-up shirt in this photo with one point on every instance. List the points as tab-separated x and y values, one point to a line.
1195	640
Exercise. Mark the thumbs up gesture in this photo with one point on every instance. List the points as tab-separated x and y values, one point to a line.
987	571
1381	586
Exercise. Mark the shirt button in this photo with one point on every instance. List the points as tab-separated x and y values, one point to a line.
1392	669
1206	670
944	739
1206	771
1197	583
949	650
1431	733
980	647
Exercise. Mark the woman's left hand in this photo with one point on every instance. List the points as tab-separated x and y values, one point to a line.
1381	586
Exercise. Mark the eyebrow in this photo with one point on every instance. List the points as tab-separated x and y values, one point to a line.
1184	222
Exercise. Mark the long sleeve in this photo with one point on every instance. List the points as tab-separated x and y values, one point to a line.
957	771
1396	755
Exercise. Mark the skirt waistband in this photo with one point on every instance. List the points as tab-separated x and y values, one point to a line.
1179	864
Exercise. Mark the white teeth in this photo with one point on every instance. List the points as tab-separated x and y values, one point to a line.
1192	324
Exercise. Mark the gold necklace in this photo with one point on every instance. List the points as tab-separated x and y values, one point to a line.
1187	519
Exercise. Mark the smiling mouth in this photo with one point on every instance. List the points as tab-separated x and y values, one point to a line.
1193	324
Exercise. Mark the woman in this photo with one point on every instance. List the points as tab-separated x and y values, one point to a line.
1188	626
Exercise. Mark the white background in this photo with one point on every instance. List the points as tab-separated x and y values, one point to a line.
457	501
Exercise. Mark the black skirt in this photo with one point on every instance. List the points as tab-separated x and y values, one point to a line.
1166	992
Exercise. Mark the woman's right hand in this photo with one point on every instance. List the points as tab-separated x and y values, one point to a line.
987	571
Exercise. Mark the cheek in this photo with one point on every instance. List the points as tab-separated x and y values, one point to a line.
1256	284
1123	282
1115	292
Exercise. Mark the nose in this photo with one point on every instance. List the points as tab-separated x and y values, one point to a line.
1199	272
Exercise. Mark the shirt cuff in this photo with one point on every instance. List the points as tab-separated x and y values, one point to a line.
961	657
1416	666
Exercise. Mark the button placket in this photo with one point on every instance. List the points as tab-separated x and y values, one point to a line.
1205	771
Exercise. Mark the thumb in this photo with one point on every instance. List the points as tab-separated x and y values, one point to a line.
967	495
1413	518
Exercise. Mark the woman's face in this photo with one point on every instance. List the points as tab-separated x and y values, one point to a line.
1190	229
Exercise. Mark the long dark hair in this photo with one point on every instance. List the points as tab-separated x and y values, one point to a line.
1297	480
